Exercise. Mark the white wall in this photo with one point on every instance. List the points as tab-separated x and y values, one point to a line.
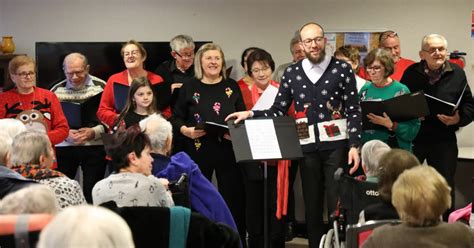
236	24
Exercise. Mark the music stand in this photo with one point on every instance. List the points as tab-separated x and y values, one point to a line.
262	140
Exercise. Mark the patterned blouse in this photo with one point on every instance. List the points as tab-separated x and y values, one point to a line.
132	190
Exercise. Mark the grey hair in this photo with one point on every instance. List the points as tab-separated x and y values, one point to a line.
426	38
5	146
158	130
294	40
86	226
28	147
34	199
73	56
371	153
12	127
181	41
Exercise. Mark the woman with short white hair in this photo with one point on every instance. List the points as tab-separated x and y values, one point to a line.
32	156
10	128
86	226
371	153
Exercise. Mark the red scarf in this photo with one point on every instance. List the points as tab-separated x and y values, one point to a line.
283	165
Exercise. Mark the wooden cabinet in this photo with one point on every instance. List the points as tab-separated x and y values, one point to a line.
5	81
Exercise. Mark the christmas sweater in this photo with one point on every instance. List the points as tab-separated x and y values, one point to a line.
39	110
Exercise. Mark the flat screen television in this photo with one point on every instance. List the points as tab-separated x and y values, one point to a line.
104	58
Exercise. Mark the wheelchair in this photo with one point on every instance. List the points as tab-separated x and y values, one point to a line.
354	196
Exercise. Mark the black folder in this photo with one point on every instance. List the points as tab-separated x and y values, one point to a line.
286	134
439	106
82	114
401	108
212	128
120	96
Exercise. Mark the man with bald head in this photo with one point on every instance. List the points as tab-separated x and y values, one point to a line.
328	118
83	146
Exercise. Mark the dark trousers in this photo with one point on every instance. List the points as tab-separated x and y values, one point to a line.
443	157
290	216
219	156
92	162
253	180
317	176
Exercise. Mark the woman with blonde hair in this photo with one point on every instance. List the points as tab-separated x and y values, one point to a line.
211	96
421	195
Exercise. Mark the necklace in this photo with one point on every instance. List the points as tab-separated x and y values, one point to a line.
20	101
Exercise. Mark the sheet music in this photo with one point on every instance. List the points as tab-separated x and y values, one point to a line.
266	99
262	139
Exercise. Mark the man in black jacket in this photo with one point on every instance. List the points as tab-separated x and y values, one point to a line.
436	76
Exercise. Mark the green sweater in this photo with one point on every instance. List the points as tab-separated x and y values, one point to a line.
405	131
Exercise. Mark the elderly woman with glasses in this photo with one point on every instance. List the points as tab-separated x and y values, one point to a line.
37	108
379	65
134	56
211	96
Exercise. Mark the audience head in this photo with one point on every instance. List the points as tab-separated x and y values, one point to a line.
296	48
434	48
10	129
32	147
391	165
76	69
22	71
34	199
421	195
389	41
182	50
160	133
129	151
260	67
371	153
133	54
350	54
313	40
86	226
140	96
379	65
245	55
209	62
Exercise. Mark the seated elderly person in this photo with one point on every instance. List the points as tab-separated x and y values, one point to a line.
32	156
133	184
86	226
35	199
420	196
10	129
371	153
391	165
203	195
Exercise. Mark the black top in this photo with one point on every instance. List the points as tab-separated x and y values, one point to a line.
170	74
132	118
448	88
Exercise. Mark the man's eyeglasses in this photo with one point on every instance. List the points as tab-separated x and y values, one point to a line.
26	74
77	73
256	70
374	68
308	42
185	56
433	50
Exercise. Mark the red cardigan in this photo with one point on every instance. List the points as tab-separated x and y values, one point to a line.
107	113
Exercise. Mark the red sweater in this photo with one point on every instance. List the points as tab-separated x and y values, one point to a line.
107	113
13	104
400	68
